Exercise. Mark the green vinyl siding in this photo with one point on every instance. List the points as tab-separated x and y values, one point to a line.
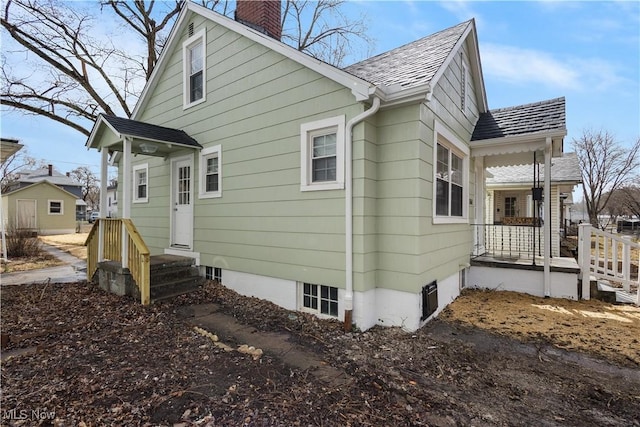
256	100
42	192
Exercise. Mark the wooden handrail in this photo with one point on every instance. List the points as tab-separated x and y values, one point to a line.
138	255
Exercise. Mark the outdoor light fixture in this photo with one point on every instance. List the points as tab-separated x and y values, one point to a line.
148	148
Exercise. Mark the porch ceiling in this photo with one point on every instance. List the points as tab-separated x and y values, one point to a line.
147	139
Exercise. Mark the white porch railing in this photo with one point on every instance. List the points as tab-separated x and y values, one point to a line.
608	256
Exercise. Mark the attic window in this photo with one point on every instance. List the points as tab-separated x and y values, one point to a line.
194	69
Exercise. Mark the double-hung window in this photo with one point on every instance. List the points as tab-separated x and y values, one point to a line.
211	172
55	207
140	183
322	154
451	160
194	68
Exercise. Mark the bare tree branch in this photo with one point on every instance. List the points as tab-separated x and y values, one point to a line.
606	167
69	71
10	167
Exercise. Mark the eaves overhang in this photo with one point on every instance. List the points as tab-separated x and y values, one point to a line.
110	132
523	143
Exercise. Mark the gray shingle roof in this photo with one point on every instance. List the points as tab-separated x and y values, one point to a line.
135	128
563	169
42	174
413	64
522	119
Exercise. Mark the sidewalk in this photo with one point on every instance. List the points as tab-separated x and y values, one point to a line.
74	271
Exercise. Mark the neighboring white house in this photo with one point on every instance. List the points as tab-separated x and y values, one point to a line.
511	208
111	210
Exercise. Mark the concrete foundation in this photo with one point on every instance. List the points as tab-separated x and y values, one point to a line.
115	279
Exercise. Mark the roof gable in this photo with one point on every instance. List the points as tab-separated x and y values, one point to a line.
421	63
43	182
42	174
395	75
361	89
413	64
135	129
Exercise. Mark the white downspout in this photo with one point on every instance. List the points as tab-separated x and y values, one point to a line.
348	214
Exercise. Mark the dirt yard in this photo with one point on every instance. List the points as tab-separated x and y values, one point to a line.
79	356
71	243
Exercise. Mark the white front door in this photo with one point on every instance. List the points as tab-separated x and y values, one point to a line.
182	203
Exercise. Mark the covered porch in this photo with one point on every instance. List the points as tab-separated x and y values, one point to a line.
514	239
115	248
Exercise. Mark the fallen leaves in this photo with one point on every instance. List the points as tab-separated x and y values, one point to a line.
98	359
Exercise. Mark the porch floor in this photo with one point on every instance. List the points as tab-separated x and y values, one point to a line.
558	264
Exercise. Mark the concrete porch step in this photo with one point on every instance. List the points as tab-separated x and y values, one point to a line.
613	295
170	289
173	275
170	275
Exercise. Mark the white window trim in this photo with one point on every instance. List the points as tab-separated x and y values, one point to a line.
317	311
49	207
136	168
306	130
200	36
446	138
204	155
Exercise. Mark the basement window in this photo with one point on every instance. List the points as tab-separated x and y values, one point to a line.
320	299
213	273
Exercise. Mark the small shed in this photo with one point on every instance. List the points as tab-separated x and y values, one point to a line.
43	208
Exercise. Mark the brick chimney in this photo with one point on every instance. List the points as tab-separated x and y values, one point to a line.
50	170
261	15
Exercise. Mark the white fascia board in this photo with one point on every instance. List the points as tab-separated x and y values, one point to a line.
403	96
476	68
481	92
513	144
162	59
101	120
361	89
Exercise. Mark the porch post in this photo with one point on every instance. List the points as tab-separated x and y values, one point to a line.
104	161
480	196
547	217
127	172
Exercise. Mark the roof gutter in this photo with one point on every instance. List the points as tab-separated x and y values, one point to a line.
348	214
